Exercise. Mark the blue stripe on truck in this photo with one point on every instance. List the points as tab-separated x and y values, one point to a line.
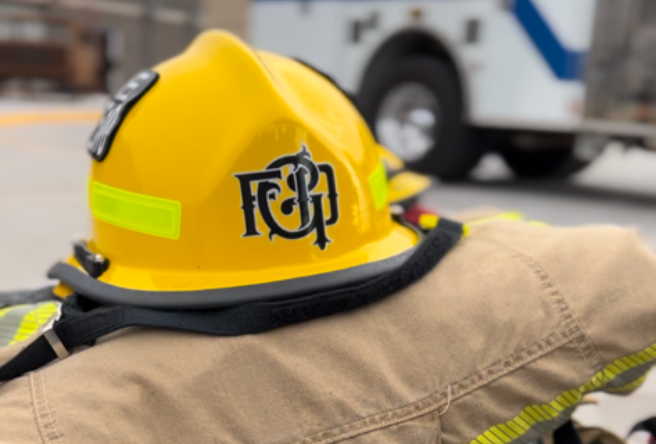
565	64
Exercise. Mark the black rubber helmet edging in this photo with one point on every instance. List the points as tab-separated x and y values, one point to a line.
105	293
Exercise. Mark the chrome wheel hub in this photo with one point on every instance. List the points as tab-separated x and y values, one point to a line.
408	121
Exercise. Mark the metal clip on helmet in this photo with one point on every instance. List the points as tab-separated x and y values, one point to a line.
227	175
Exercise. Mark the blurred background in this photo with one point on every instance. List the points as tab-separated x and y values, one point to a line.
547	107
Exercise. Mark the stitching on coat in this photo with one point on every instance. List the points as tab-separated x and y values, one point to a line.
47	405
569	330
47	428
438	431
434	402
548	285
35	410
587	350
568	317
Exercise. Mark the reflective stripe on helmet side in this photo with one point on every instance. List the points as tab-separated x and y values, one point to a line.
379	187
137	212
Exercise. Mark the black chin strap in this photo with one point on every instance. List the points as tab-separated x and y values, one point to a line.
83	321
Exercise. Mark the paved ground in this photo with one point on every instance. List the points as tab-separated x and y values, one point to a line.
43	168
619	188
42	181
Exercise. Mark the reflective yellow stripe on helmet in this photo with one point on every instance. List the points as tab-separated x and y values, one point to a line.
379	186
137	212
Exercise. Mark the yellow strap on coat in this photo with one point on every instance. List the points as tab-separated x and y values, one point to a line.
430	221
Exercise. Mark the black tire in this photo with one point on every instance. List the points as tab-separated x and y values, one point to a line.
453	155
557	162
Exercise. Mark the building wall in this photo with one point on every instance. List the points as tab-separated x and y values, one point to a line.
142	32
231	15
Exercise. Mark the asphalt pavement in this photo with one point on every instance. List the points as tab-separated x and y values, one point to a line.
44	167
618	188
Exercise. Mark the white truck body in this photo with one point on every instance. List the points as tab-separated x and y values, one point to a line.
523	65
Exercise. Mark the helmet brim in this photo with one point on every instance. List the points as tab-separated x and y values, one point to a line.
125	285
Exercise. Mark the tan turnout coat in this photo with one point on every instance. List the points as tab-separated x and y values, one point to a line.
496	345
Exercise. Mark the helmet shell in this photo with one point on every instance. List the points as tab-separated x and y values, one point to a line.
238	168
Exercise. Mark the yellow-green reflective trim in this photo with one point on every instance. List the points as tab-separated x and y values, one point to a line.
19	322
512	216
535	414
628	388
509	215
136	212
34	320
379	186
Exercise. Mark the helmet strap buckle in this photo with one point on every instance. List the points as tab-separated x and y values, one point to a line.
52	338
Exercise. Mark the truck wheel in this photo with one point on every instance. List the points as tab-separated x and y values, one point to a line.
415	108
557	162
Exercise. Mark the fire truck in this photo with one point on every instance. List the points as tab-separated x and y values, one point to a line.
547	84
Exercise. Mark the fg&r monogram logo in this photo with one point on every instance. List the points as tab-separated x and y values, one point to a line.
299	174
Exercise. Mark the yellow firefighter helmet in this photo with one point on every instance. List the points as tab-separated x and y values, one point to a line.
227	174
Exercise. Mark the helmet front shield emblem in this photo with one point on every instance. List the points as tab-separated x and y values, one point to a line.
116	110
